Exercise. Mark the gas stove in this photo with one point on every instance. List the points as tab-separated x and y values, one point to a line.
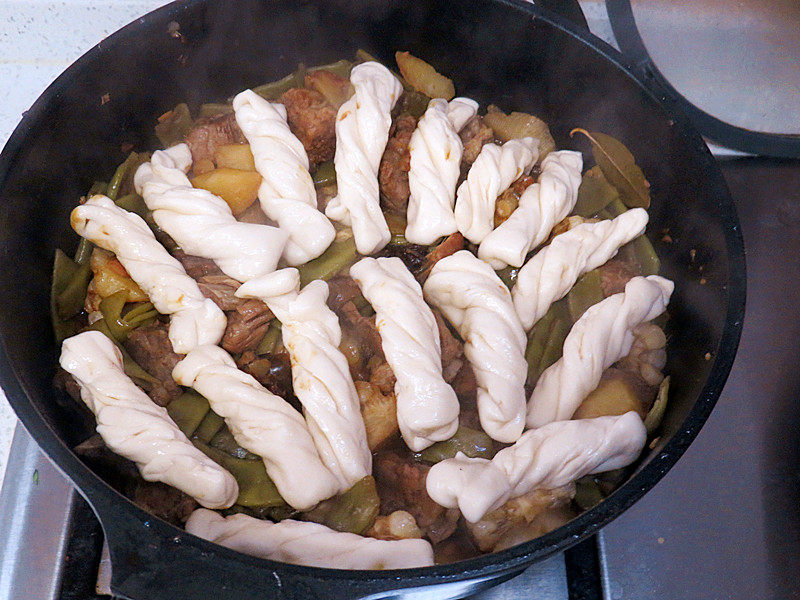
723	523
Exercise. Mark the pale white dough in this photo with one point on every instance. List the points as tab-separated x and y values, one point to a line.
287	193
320	373
306	543
427	407
478	304
602	336
194	319
544	458
261	422
362	130
201	223
135	427
541	206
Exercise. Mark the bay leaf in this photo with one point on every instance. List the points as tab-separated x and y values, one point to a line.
594	194
620	168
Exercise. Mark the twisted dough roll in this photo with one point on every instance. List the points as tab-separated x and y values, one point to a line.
201	223
305	543
427	408
552	272
261	422
362	130
133	426
478	304
195	320
320	373
541	206
602	336
286	193
496	168
544	458
436	151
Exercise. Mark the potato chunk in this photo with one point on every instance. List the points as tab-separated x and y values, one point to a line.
237	187
379	413
519	125
423	77
235	156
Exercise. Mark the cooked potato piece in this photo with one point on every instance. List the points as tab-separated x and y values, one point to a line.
616	395
237	187
111	277
235	156
423	77
379	413
335	89
519	125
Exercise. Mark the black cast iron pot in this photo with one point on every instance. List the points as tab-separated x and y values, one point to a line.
509	53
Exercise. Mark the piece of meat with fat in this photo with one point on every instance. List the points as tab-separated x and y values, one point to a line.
209	133
395	164
195	266
247	326
614	275
151	348
221	290
474	135
401	486
273	371
341	289
313	121
450	245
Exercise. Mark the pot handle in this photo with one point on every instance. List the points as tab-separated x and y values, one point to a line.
150	562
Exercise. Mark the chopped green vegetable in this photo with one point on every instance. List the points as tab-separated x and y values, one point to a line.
71	299
188	411
212	109
619	167
275	89
134	203
63	272
208	427
98	187
594	194
586	292
613	209
174	125
256	489
84	252
36	477
645	255
120	326
471	442
338	256
508	276
125	171
546	340
341	68
354	511
555	344
415	103
224	440
325	174
656	414
587	493
270	339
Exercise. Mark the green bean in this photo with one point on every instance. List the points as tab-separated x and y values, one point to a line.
587	493
613	209
537	338
98	187
354	511
415	103
341	68
256	489
364	56
73	297
275	89
555	344
63	272
471	442
134	203
132	368
212	109
142	312
586	292
594	193
84	252
656	414
339	255
224	440
120	174
546	340
208	427
174	125
325	174
645	255
121	326
270	339
188	411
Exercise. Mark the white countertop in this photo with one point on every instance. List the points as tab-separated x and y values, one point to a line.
38	40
